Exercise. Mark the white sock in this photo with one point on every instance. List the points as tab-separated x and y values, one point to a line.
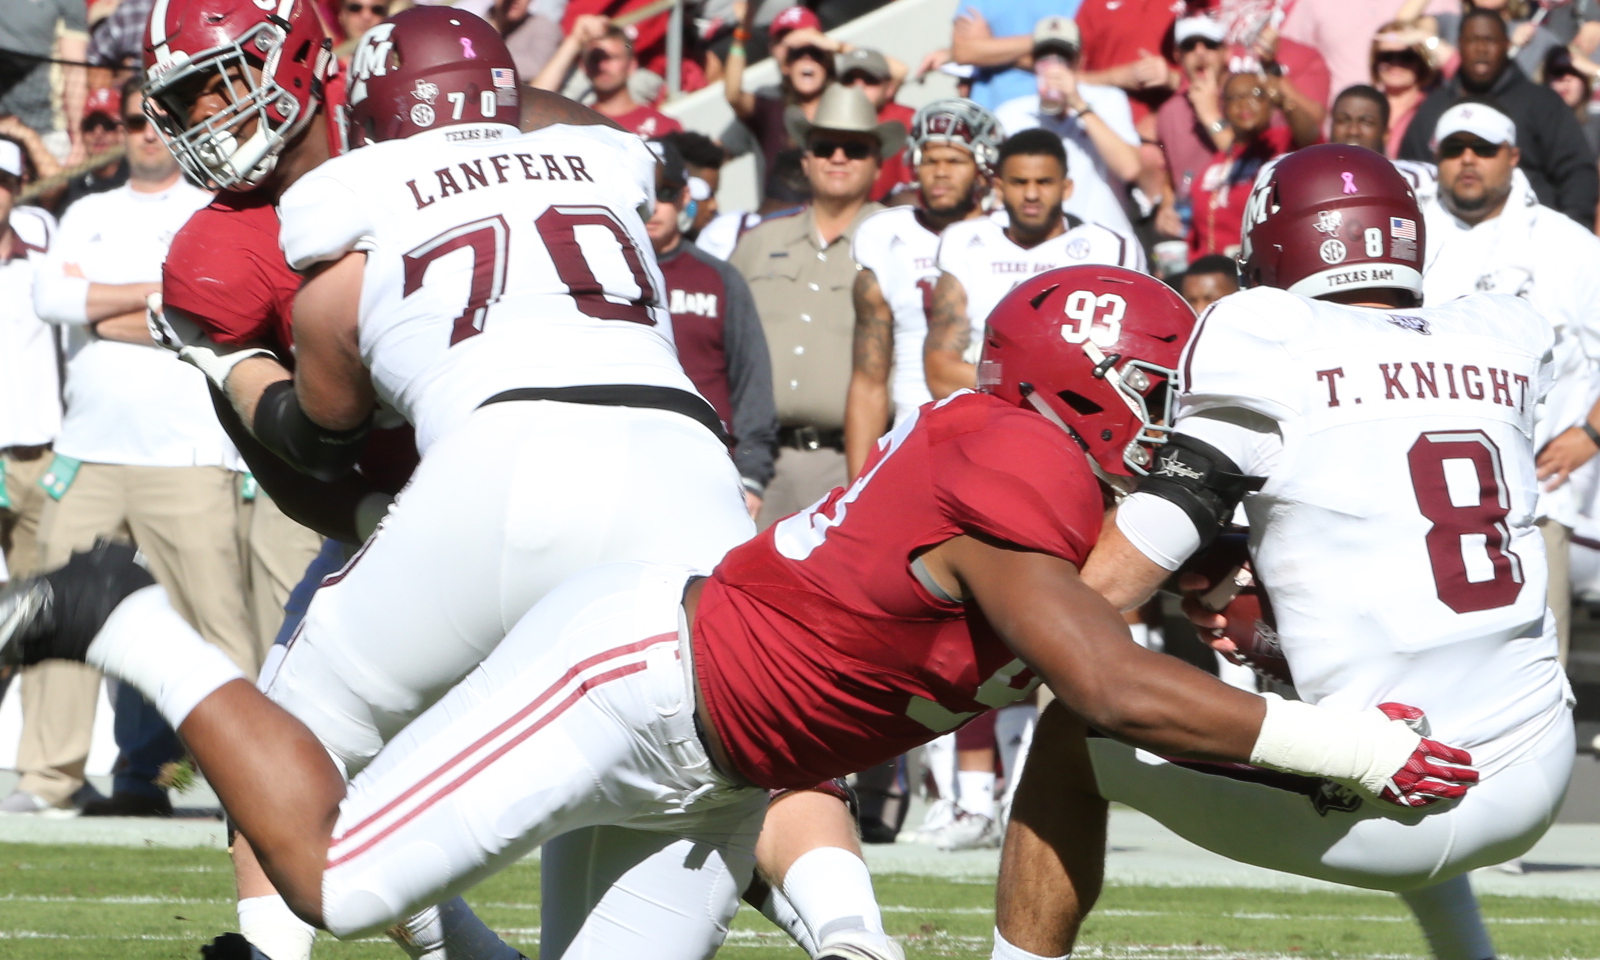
1448	914
940	756
1006	950
450	931
777	908
976	794
269	924
144	642
830	890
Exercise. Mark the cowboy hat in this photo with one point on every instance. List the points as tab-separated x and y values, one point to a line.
847	110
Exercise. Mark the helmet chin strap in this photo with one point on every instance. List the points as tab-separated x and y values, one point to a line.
1120	487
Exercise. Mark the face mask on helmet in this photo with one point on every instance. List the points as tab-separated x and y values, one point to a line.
959	123
237	147
1095	351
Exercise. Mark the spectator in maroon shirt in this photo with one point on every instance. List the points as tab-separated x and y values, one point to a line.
720	341
608	62
805	58
876	76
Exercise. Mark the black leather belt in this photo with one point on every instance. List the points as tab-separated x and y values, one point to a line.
810	438
624	395
25	454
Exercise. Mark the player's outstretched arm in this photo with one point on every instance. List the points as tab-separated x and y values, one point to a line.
866	404
1080	645
949	335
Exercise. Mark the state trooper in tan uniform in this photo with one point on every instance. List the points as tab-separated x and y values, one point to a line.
801	272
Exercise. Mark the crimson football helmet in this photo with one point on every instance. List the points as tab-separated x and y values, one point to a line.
1331	218
429	67
273	57
1095	349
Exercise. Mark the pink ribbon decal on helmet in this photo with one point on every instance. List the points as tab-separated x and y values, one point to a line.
1349	182
466	51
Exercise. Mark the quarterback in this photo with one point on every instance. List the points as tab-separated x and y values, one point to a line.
942	583
1383	452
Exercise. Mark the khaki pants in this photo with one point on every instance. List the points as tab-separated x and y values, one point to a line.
186	522
1558	555
277	552
802	478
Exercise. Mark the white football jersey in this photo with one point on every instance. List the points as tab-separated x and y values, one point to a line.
988	264
904	256
495	260
1394	533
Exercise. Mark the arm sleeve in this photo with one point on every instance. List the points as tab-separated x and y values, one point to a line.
322	219
755	412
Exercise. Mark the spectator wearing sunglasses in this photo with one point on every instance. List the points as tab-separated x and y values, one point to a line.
1190	127
606	56
879	78
805	58
1576	89
1402	67
355	18
102	133
1487	232
801	269
716	328
1554	154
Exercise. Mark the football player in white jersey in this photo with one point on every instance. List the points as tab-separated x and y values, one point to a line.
981	260
954	146
497	291
1384	456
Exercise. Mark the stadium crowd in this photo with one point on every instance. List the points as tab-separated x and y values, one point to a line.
1125	132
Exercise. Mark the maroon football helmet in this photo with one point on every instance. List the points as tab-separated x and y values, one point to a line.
273	56
429	67
1332	218
1094	349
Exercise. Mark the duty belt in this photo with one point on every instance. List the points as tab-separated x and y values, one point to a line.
26	454
624	395
810	438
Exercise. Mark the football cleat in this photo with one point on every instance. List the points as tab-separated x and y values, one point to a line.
860	945
55	616
968	831
232	946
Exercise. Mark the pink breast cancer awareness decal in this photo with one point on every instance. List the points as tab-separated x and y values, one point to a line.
1349	178
466	51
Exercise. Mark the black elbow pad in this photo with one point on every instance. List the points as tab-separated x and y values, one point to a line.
1204	483
284	428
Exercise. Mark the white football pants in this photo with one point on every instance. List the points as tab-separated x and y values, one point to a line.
581	720
521	497
1374	845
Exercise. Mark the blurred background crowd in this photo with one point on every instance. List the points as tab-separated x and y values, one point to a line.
1158	114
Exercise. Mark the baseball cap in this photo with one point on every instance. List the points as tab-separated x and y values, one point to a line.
862	60
1478	119
105	102
1205	28
793	19
1057	32
11	158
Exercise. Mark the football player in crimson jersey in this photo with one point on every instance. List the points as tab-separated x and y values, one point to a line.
652	703
1391	528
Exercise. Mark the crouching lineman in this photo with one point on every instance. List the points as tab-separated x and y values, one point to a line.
664	704
1385	460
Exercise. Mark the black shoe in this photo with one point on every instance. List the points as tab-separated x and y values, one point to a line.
55	616
231	946
129	805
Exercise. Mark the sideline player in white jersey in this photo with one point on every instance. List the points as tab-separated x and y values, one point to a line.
981	260
496	290
1384	456
954	148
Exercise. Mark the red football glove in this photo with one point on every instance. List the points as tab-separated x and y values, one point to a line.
1434	772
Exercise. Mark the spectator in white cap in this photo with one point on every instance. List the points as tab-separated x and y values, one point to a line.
1486	231
1094	122
1191	127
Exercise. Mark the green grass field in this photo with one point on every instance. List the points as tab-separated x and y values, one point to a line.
70	902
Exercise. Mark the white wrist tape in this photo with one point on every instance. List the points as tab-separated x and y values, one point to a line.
1363	748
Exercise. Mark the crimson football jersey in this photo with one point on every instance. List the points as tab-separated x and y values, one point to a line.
225	269
818	651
